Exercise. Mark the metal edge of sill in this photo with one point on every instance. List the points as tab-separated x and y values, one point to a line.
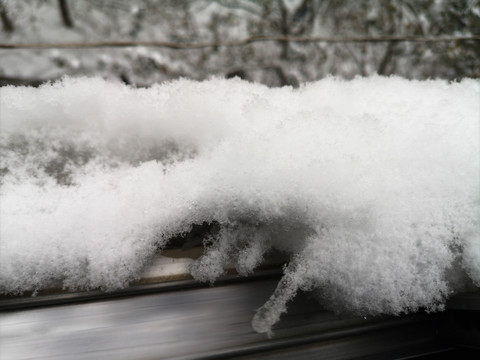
344	333
148	286
469	301
166	271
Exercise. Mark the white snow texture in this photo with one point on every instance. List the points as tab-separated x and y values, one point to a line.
370	186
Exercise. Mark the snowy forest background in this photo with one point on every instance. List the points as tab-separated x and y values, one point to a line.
273	63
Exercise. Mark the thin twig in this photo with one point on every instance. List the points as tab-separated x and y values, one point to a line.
241	42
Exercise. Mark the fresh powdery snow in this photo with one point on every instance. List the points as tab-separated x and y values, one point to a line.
370	187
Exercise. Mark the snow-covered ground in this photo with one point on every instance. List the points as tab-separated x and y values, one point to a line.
371	185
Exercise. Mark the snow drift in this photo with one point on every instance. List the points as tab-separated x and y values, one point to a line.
371	186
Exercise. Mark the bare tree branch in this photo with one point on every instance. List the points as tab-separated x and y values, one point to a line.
382	68
241	42
360	65
65	13
6	22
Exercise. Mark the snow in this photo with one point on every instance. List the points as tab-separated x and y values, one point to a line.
370	186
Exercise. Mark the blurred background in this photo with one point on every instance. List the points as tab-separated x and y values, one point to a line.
275	63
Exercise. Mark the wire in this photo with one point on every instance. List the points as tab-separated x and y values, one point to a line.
240	42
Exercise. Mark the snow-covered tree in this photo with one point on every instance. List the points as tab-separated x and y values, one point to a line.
275	63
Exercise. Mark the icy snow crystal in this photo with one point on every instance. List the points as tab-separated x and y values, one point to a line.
371	186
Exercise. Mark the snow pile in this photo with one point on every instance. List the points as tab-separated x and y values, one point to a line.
371	186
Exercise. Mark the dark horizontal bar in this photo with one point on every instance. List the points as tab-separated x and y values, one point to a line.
240	42
30	302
